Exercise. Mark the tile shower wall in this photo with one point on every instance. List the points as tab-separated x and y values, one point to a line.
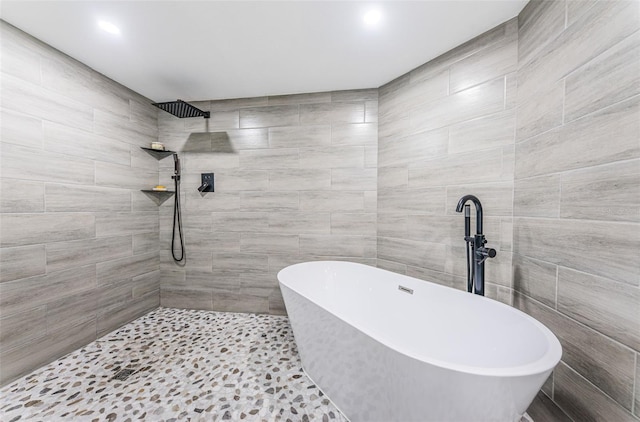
556	162
577	198
447	129
295	180
79	254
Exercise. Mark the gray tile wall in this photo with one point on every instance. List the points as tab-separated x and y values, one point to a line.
78	240
447	129
551	120
539	117
295	180
577	197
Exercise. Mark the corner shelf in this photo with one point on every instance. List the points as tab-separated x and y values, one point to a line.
158	196
157	153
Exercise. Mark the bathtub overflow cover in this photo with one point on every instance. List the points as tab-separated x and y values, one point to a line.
405	289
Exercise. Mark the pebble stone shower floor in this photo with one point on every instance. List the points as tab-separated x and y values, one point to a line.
189	366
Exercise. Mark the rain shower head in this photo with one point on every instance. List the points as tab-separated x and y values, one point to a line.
182	109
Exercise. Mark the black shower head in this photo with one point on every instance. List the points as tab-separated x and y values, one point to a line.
181	109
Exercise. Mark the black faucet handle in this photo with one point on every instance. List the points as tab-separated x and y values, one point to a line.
483	253
489	252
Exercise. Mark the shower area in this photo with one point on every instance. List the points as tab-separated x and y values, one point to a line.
295	180
95	214
133	261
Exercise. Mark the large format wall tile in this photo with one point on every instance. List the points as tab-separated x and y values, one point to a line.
23	326
606	136
603	25
486	132
35	164
296	137
540	112
537	196
637	397
541	122
22	262
440	172
536	279
83	198
297	182
610	307
83	144
446	130
125	177
604	362
35	353
20	129
544	409
72	169
582	401
473	102
609	78
19	196
63	255
540	22
571	243
33	292
29	229
300	222
609	192
269	116
41	103
413	148
492	62
576	192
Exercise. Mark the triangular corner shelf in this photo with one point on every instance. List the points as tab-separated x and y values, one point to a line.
158	196
157	153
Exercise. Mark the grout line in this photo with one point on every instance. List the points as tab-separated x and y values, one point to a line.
590	114
556	292
599	390
504	94
635	387
593	59
564	98
560	176
449	81
575	321
574	170
627	223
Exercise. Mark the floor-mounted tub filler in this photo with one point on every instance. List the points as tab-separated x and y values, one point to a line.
387	347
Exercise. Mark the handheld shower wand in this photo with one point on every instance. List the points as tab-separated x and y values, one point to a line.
176	165
177	218
469	240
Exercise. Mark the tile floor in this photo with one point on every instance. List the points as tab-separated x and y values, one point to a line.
189	365
186	365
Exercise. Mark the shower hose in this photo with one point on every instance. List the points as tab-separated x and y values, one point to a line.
177	223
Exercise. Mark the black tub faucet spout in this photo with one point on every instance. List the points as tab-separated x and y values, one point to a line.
477	254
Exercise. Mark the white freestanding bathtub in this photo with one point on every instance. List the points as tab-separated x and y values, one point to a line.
387	347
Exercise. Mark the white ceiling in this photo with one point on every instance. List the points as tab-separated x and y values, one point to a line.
196	50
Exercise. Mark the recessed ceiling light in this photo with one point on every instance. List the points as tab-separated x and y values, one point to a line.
372	17
108	27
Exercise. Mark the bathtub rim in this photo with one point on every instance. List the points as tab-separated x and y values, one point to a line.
546	363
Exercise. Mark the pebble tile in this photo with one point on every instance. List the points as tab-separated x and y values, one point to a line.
182	365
